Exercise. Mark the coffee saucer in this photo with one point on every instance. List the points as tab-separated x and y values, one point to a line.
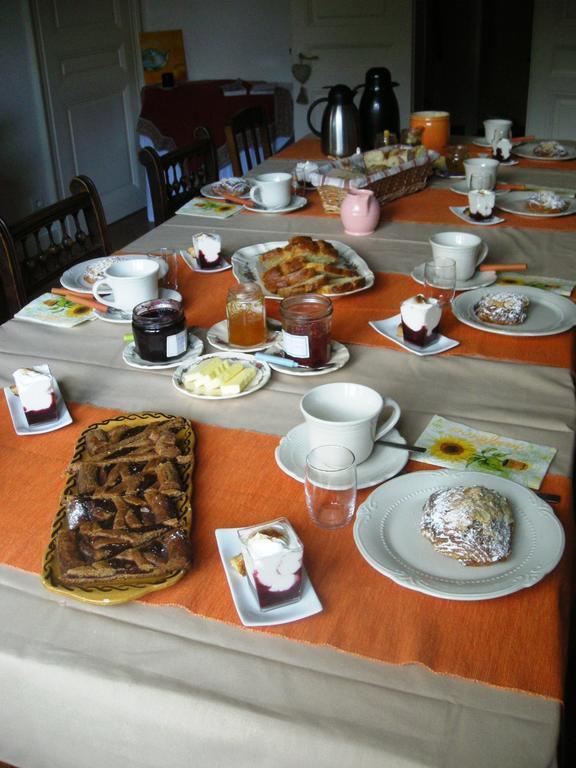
478	279
389	329
338	359
296	202
461	188
118	316
381	465
133	359
218	337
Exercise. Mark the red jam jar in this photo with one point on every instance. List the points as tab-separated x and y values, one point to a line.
159	329
307	329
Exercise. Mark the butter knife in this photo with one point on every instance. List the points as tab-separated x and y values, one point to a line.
288	363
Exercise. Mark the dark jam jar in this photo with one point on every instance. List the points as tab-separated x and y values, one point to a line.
307	329
159	330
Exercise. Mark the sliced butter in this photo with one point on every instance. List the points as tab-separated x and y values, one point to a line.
239	382
221	378
205	368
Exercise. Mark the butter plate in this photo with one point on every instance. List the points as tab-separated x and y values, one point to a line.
389	327
460	212
261	378
244	599
21	426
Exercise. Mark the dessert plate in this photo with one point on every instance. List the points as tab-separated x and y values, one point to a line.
296	203
383	463
526	150
387	534
191	262
209	190
19	421
218	337
132	358
245	600
461	188
112	315
389	329
461	212
516	202
263	374
74	278
338	359
548	313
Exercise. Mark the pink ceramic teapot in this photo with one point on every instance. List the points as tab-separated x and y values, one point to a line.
360	212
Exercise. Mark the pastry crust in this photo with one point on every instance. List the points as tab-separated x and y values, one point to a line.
502	308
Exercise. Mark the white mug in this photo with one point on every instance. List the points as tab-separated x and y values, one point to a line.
503	127
484	166
347	414
466	250
272	190
131	281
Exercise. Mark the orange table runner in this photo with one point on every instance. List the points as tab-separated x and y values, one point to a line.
206	301
365	614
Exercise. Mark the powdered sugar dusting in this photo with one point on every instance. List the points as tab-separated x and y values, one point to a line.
502	308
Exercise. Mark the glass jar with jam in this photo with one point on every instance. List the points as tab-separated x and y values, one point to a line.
307	328
159	329
246	315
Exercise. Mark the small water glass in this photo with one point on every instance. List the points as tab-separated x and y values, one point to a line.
168	260
330	486
440	280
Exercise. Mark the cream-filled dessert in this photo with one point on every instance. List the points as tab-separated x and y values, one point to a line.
420	320
206	249
235	185
37	395
546	201
273	558
502	150
481	203
550	149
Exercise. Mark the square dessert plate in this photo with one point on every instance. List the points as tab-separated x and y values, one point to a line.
19	421
245	600
389	327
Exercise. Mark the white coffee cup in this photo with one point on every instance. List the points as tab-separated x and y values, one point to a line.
131	281
481	166
347	414
466	250
272	190
503	127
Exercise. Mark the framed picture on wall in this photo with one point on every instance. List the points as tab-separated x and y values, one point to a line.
163	54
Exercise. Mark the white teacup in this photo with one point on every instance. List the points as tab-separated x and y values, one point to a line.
465	249
131	281
501	127
347	414
485	167
272	190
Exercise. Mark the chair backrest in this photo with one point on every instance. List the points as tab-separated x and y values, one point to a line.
247	138
177	176
36	250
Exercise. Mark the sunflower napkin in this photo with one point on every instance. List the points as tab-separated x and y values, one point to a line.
55	310
457	446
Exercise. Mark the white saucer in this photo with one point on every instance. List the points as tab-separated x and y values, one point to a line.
459	211
19	421
245	600
382	464
118	316
389	327
132	358
191	262
296	203
478	279
217	336
480	141
338	359
461	188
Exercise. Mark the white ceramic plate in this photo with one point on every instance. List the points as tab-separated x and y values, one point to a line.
461	188
118	316
382	464
73	278
516	202
478	279
338	359
460	211
548	313
21	426
132	358
526	150
389	327
247	266
208	190
263	374
192	264
296	203
245	600
218	337
387	533
481	141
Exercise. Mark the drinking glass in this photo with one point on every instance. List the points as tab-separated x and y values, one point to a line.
440	280
168	260
330	485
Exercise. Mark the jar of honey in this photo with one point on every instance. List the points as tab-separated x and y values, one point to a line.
307	328
159	329
246	315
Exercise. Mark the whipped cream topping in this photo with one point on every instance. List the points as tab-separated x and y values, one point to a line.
273	555
548	200
418	312
550	149
504	145
207	244
481	201
34	388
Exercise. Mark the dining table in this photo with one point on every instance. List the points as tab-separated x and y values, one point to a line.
386	673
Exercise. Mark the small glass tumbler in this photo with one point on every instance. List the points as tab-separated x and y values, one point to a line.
455	156
246	315
440	281
168	260
330	486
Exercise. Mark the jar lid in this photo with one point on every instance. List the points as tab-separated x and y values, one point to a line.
308	306
157	312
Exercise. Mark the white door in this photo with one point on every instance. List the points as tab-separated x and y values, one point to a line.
90	66
552	91
349	37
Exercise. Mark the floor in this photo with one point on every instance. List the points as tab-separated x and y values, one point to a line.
125	230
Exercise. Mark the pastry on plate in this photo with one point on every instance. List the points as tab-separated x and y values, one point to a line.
550	149
545	201
502	308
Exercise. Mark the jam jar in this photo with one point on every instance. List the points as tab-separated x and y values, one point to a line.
307	328
159	330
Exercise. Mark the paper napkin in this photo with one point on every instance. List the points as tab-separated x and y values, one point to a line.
49	309
553	284
202	206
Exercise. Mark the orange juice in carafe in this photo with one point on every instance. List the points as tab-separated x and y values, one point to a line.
246	315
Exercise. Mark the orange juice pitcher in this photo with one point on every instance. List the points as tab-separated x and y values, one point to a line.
436	127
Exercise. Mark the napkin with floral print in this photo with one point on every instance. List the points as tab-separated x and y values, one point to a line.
457	446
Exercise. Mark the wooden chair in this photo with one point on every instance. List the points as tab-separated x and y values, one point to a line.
247	132
36	250
177	176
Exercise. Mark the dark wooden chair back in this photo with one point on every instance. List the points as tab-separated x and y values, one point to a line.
247	132
36	250
177	176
